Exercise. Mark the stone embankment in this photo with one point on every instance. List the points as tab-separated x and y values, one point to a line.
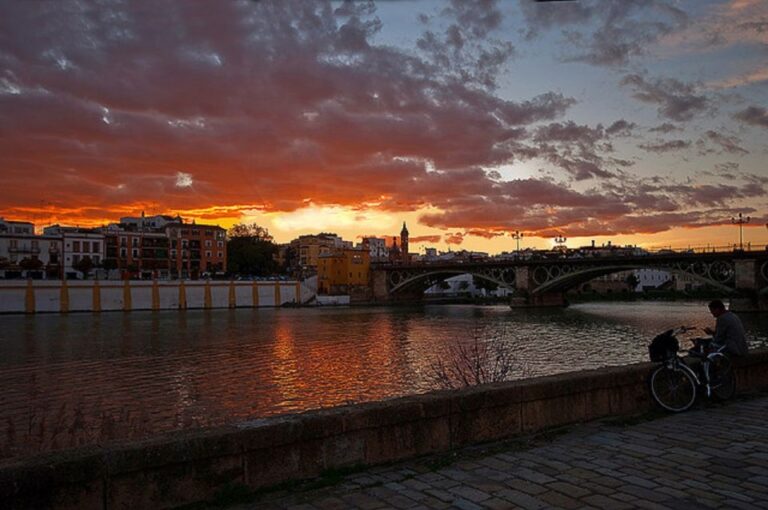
63	296
187	467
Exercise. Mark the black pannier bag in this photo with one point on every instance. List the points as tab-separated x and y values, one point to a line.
663	347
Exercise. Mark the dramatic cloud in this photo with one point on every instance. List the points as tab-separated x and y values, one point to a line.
620	29
676	100
729	144
464	49
665	128
311	113
266	104
661	146
754	115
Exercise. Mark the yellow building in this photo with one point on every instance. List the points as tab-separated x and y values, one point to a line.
344	271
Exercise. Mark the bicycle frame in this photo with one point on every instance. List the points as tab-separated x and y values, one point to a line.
678	363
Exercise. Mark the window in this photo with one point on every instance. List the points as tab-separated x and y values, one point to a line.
173	253
184	243
95	259
122	252
75	259
122	241
135	253
76	246
34	244
208	254
134	241
221	254
207	244
14	243
209	233
220	244
95	247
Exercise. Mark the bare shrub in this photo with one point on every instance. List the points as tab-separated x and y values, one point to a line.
478	361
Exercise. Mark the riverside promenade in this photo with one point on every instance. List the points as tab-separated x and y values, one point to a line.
711	457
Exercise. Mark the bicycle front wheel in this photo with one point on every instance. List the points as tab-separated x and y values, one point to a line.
674	389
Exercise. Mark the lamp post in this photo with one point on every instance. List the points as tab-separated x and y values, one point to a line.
740	221
517	236
560	240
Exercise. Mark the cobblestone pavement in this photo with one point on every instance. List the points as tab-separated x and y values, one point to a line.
715	457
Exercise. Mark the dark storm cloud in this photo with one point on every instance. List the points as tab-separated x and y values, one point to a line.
753	115
674	99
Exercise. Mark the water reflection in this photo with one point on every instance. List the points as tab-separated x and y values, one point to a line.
77	379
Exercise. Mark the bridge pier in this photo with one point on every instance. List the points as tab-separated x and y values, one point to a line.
748	283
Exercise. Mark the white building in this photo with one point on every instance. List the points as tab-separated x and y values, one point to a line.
24	254
78	244
377	247
156	222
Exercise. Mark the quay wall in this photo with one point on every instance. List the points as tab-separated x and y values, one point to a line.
194	466
62	296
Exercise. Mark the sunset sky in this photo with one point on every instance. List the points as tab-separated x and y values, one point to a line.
635	121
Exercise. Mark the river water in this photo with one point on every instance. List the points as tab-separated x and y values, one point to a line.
78	379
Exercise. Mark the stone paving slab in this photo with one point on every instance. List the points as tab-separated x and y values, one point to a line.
716	457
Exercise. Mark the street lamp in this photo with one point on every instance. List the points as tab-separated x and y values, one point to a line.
740	222
517	236
560	240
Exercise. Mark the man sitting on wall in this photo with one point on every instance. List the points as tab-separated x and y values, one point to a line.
729	331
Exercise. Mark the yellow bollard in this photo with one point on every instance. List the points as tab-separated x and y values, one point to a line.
155	295
255	295
64	297
29	298
96	296
207	298
182	296
277	294
127	302
232	296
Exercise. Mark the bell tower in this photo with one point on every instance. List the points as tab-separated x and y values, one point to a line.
404	243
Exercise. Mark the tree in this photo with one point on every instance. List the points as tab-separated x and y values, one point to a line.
632	281
30	264
253	231
250	250
84	265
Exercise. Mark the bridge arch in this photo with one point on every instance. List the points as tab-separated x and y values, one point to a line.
564	278
401	280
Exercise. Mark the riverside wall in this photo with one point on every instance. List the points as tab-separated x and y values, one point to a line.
63	296
193	466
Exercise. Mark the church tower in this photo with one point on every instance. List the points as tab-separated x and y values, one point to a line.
404	243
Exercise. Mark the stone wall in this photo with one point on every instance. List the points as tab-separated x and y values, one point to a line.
192	466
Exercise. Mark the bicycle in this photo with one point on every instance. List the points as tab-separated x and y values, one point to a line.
674	384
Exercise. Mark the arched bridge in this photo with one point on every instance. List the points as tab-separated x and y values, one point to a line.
730	272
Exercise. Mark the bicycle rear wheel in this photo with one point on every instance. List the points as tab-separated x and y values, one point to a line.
674	389
723	379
